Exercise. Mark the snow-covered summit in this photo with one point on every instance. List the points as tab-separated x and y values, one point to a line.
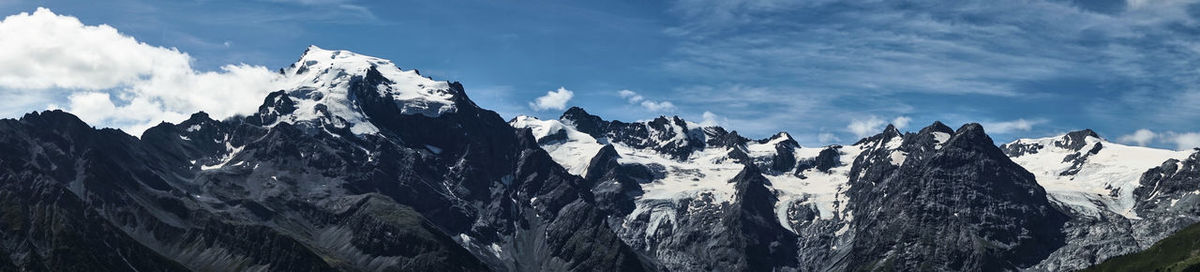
321	83
568	147
1086	172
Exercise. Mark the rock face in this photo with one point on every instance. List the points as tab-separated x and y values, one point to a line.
729	224
1169	198
1174	253
358	167
957	205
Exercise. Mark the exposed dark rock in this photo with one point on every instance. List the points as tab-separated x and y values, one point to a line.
264	192
1076	140
963	207
826	159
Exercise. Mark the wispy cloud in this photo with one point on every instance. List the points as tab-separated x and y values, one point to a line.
711	119
632	96
1185	141
887	48
901	122
343	9
828	138
758	111
1013	126
1129	63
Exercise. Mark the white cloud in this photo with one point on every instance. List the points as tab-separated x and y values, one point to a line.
553	100
710	119
1140	137
865	127
113	80
1181	140
92	106
1012	126
44	50
901	122
1185	141
658	106
634	98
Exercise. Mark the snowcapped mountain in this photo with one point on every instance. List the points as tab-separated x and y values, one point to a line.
1086	173
1111	190
672	180
357	165
323	87
1074	199
567	146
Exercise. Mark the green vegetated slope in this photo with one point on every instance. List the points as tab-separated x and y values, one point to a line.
1178	252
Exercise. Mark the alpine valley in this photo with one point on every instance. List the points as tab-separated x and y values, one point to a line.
358	165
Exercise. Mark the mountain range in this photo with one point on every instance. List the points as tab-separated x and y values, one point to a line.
358	165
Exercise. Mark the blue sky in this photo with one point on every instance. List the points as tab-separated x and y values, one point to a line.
825	71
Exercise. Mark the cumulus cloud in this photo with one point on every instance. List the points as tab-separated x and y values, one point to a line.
1012	126
113	80
637	99
553	100
1140	137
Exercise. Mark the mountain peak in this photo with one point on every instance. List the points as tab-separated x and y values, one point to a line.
1087	132
575	110
780	138
972	135
938	126
971	129
584	121
1076	140
312	47
328	85
888	133
783	135
200	115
